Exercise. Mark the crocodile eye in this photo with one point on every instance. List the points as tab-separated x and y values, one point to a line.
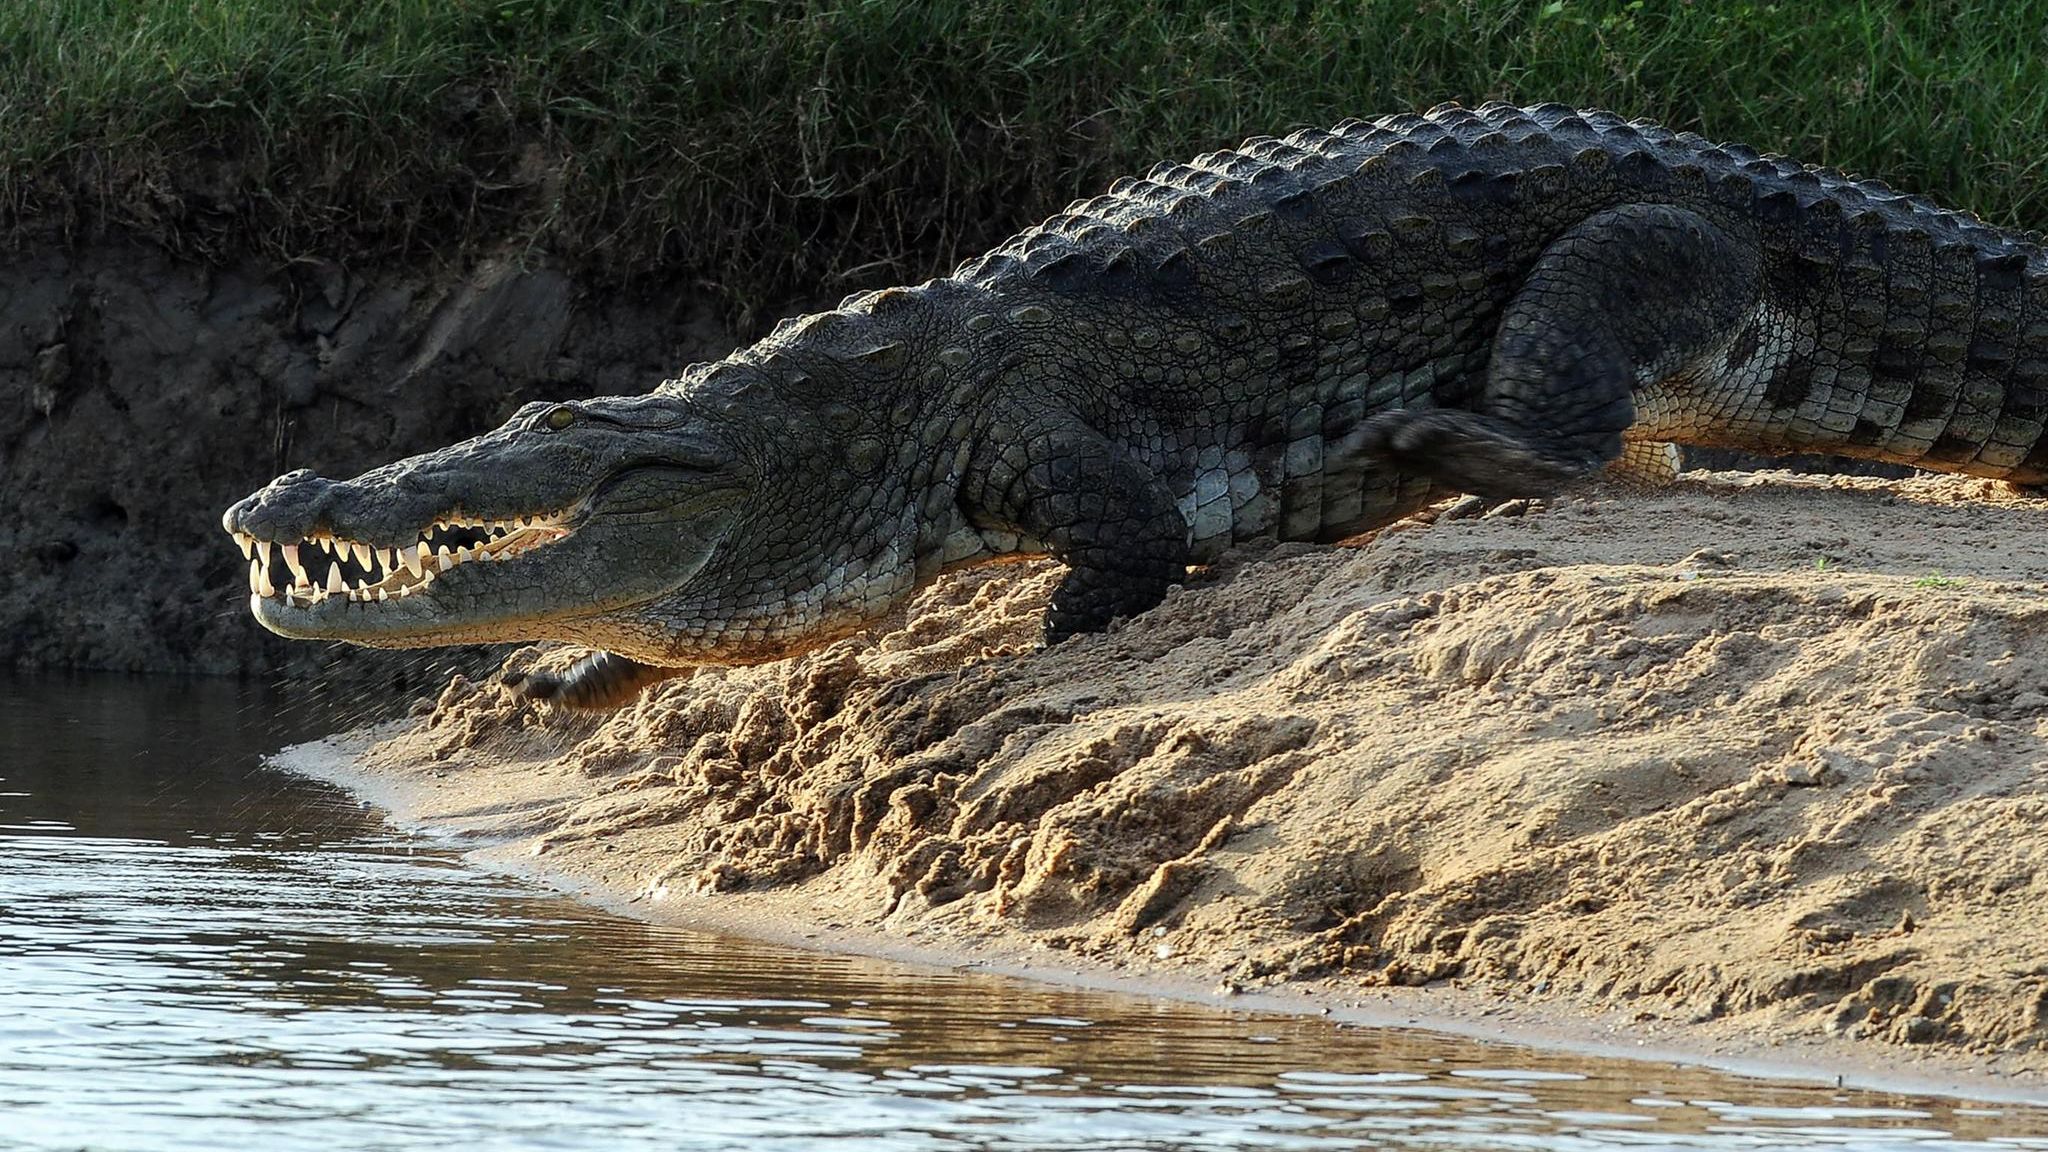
561	418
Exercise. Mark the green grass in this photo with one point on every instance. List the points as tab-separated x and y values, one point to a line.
770	148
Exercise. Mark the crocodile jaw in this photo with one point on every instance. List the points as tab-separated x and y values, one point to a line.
564	523
462	580
325	587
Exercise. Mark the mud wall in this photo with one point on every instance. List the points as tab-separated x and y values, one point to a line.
140	395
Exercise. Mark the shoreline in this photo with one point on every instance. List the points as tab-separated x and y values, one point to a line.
408	802
1569	781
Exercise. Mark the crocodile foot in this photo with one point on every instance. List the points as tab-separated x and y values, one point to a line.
598	682
1482	508
1468	451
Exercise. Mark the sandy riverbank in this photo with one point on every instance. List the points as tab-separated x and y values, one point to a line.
1754	768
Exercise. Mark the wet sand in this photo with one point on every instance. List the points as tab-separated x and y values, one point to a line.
1752	771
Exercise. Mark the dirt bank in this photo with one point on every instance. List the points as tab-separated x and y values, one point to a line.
1750	761
141	394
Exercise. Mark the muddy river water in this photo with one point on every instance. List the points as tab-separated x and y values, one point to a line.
198	951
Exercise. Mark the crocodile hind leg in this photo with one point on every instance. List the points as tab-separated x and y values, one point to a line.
1097	510
599	681
1626	298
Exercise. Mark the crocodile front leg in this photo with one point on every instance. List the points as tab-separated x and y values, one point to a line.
1099	511
1626	298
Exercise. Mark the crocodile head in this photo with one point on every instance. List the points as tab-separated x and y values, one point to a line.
631	524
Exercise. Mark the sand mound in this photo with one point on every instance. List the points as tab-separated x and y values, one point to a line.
1755	747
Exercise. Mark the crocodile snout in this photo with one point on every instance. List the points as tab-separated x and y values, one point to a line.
288	507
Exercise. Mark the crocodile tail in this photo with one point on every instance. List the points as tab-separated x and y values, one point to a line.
1951	350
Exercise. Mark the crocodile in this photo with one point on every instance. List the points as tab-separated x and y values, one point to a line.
1299	339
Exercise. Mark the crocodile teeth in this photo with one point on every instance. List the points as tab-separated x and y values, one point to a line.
291	561
320	566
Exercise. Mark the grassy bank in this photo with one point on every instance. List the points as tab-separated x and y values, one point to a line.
771	147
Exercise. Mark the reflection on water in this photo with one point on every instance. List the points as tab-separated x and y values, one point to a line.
198	952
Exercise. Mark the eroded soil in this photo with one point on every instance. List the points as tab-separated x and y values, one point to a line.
1762	753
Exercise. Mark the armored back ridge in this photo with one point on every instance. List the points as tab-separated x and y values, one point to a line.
1300	339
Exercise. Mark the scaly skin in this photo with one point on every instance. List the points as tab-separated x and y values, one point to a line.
1298	340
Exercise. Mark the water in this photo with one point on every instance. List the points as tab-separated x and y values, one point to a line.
197	952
